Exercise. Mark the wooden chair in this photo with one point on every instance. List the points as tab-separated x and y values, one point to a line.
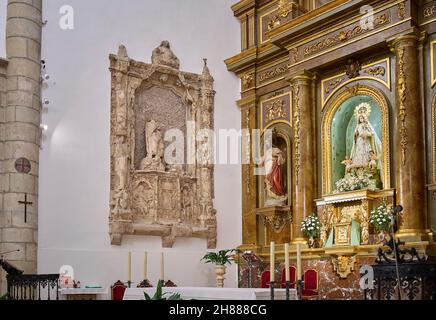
264	279
311	282
117	290
293	277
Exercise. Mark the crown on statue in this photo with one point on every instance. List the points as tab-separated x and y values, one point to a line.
363	109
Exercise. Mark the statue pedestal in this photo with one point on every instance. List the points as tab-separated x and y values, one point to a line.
277	221
339	210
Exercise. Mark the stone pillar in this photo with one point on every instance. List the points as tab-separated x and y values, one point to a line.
21	132
409	140
304	164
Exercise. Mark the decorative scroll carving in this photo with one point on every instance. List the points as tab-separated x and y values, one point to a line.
276	109
285	7
378	71
343	265
331	85
272	73
401	10
349	34
150	196
247	80
297	155
429	11
401	88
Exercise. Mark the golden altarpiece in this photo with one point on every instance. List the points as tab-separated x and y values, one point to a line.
347	89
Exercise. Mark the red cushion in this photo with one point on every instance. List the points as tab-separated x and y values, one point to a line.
264	279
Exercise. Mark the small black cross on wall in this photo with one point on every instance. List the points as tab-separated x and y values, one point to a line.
25	202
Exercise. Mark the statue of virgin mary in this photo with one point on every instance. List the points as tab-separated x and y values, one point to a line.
366	150
363	168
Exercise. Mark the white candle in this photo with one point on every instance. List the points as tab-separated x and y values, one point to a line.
130	266
162	266
272	262
287	274
145	265
298	262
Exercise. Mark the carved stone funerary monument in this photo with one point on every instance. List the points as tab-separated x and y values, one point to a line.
150	196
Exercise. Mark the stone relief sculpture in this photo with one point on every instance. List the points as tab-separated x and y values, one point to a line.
154	159
148	195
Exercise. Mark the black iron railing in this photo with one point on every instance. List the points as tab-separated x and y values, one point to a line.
33	287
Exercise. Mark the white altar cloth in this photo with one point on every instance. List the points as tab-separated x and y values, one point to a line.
192	293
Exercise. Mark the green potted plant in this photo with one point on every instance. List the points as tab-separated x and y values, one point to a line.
159	295
220	259
311	227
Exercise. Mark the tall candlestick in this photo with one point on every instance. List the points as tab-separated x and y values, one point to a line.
130	267
272	262
298	262
287	274
145	265
162	266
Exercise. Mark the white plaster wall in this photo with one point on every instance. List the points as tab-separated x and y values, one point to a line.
3	4
74	165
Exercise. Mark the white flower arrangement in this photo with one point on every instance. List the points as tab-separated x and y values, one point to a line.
353	181
381	217
311	226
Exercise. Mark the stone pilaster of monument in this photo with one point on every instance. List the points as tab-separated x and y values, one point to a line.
20	134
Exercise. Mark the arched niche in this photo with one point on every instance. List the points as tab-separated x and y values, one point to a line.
338	126
283	142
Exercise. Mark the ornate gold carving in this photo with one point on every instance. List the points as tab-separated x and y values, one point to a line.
276	222
247	151
331	85
343	265
353	68
429	11
247	80
276	111
270	74
294	55
297	155
274	22
275	218
402	10
285	7
326	132
376	71
353	90
343	36
401	88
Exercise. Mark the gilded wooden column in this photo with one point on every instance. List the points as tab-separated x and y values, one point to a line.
409	139
249	192
304	158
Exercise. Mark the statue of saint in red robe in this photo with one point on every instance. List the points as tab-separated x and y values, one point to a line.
272	160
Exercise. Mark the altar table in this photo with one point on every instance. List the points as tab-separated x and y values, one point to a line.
82	293
193	293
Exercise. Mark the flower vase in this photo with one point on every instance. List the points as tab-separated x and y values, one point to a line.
381	237
220	271
311	243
